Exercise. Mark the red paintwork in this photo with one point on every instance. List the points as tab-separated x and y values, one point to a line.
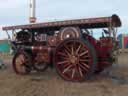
103	49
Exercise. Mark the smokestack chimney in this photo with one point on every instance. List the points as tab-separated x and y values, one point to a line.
32	14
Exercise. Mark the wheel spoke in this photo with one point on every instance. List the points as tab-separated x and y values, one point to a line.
73	72
21	57
65	58
81	74
66	69
83	53
66	47
63	62
85	65
63	54
20	60
78	49
67	52
72	49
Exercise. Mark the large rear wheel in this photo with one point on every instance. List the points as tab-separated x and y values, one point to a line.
75	60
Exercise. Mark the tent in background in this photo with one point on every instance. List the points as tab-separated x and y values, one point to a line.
123	41
4	46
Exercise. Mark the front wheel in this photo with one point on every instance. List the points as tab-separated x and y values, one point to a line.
21	63
75	60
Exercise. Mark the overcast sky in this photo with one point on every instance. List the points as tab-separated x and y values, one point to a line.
17	12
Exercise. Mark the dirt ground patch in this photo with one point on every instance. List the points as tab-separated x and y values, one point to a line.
50	83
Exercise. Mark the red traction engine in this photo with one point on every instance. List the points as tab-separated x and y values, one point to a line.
66	45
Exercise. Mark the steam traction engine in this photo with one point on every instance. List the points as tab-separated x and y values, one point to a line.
66	45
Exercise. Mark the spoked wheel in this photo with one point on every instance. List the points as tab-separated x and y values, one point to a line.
75	60
40	66
21	63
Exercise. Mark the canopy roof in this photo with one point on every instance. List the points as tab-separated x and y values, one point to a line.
100	22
